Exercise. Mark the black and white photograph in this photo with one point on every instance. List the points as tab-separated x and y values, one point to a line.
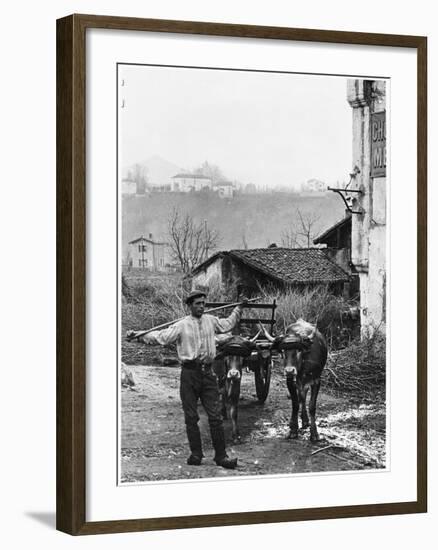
252	273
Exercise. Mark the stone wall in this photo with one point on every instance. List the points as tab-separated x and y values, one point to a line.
368	246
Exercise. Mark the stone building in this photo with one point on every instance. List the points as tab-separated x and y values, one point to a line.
337	240
145	253
245	271
367	99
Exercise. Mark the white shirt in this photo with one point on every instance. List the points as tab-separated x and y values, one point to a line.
194	337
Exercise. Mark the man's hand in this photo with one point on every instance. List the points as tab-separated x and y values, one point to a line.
243	301
133	335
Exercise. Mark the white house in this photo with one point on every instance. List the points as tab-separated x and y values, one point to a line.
129	187
314	186
184	182
224	189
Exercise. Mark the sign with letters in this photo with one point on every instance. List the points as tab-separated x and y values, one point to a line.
378	144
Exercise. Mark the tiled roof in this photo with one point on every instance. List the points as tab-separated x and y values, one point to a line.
293	265
193	176
143	239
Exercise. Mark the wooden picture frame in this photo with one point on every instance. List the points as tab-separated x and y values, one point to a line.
71	272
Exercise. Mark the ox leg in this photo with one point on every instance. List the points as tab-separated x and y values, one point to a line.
220	372
312	410
233	397
293	424
223	399
304	415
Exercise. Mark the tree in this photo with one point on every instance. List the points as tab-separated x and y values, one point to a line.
191	242
138	174
211	171
308	227
289	238
302	233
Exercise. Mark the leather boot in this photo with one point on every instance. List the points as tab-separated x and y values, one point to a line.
220	457
194	437
226	462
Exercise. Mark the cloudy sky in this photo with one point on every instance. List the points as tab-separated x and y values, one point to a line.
266	128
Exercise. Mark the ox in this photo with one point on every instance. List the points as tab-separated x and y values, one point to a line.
304	353
228	364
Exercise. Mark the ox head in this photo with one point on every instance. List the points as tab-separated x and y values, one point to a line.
293	346
234	350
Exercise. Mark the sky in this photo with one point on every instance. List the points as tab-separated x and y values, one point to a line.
270	129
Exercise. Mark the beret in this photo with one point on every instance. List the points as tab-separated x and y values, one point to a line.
195	294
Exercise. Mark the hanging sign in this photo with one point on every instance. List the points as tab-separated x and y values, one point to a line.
378	144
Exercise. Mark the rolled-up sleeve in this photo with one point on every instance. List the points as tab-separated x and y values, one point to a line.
228	323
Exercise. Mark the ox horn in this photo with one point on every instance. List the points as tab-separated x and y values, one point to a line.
252	340
266	333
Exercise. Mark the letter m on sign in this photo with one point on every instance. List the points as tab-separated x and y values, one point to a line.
378	144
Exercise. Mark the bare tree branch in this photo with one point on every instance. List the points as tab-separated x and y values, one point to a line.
191	242
302	233
308	223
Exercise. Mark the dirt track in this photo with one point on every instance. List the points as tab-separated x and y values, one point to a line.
154	444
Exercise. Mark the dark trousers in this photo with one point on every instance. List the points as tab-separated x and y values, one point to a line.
202	385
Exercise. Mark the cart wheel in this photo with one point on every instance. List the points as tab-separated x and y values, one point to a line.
262	375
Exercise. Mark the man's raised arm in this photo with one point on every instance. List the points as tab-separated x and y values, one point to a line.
228	323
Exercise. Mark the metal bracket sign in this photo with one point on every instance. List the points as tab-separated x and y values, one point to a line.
378	144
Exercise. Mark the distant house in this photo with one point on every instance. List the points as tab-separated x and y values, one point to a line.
224	189
129	186
184	183
314	185
247	270
145	253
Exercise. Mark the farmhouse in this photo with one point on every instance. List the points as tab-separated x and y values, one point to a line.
149	254
184	182
224	189
247	270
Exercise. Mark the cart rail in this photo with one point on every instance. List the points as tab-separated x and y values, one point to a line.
271	321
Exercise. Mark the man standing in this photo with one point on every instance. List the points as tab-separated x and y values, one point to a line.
194	337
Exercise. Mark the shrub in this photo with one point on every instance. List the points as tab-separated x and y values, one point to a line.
360	368
331	314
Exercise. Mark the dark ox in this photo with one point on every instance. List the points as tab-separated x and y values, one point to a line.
228	366
304	353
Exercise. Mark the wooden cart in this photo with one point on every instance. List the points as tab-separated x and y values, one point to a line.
260	362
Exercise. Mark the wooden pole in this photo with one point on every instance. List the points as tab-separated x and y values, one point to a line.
165	325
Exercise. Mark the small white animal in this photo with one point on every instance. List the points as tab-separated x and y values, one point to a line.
127	378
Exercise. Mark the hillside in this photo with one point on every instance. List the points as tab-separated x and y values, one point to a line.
258	219
158	171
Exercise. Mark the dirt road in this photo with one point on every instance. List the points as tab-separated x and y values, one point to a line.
154	444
